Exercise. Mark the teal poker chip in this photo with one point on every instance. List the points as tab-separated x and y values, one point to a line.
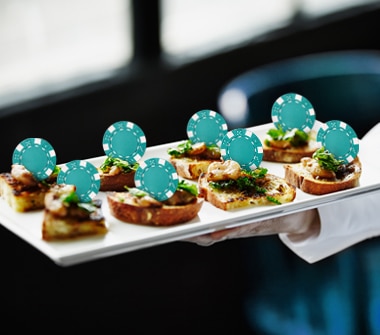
244	147
340	139
293	111
37	156
83	175
207	126
157	177
124	140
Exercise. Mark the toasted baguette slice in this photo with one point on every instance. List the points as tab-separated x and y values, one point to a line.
190	168
192	159
116	182
277	190
20	197
116	174
63	221
126	208
289	155
302	178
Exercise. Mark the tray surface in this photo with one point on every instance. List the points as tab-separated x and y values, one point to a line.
124	237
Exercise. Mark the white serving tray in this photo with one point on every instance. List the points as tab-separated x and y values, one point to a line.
124	237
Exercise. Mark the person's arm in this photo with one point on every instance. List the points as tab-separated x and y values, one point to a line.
298	227
343	224
314	234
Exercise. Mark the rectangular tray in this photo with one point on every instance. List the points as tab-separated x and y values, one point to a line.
124	237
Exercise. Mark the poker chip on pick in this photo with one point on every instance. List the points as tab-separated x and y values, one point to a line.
340	139
37	156
206	126
83	175
157	177
293	111
124	140
244	147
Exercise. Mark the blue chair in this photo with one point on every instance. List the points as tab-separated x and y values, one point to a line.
341	85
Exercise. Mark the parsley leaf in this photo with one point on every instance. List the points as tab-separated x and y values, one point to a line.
245	183
327	160
73	199
187	148
191	188
182	184
295	136
181	149
123	165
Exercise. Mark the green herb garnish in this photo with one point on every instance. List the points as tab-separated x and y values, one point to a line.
182	185
185	149
73	199
48	182
122	164
191	188
295	136
56	170
327	160
181	149
272	199
245	183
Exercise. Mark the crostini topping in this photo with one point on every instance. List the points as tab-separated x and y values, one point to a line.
225	170
185	193
316	170
286	139
195	150
327	160
21	174
189	188
180	197
139	198
229	175
63	200
114	166
26	178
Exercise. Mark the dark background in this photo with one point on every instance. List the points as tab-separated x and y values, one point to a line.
178	288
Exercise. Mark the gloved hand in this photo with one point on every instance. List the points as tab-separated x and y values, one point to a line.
298	226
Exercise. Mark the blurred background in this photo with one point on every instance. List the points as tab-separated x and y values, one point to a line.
71	68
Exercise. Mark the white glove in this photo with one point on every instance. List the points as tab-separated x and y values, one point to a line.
298	226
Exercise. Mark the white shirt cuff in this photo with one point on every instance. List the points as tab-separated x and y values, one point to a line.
343	224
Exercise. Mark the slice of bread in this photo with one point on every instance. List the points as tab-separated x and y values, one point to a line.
116	182
190	168
127	208
23	193
277	190
63	220
116	174
192	159
288	155
303	178
20	197
289	146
